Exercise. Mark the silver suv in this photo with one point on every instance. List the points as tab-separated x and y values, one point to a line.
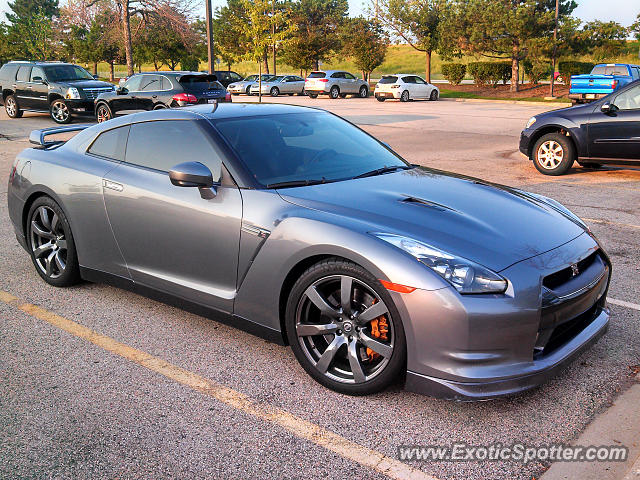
335	83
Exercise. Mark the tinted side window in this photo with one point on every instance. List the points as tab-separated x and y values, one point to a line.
150	83
337	75
111	144
23	74
161	145
235	77
419	80
8	72
349	76
409	79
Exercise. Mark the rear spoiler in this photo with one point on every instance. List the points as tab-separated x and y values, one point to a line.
37	137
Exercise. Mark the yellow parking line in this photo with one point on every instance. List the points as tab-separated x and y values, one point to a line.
610	222
299	427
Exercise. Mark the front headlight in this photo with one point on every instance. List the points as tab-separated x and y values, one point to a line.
530	122
466	276
72	93
232	86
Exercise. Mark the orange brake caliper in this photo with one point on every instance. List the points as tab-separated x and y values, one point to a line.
379	329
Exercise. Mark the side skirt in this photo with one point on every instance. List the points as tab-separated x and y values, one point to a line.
609	161
96	276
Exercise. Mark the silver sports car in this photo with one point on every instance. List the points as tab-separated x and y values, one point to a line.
317	235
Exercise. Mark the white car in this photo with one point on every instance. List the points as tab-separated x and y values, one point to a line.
280	84
243	86
405	87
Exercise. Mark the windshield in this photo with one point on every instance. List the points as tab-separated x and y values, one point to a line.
251	78
389	79
65	73
310	146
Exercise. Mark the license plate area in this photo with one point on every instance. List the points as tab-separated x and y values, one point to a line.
212	100
591	96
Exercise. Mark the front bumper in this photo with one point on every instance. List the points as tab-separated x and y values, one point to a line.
237	90
525	142
80	105
476	347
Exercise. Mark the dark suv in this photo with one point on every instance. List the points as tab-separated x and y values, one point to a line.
226	78
61	89
154	90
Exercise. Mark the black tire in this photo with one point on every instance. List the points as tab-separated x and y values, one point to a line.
434	95
364	92
12	107
343	95
56	255
160	106
391	366
103	113
312	95
274	92
248	90
553	154
381	99
60	112
334	92
405	96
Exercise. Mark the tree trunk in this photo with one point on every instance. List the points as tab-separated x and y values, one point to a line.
126	32
428	66
111	72
95	68
514	69
274	59
316	64
265	62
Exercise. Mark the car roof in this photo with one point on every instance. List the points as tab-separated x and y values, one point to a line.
329	71
36	62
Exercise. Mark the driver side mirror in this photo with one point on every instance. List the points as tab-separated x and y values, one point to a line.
608	108
121	91
194	174
96	77
38	79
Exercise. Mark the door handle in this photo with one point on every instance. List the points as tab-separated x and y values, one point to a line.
112	185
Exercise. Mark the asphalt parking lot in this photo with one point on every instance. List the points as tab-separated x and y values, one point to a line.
198	399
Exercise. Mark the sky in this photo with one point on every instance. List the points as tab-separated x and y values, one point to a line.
622	11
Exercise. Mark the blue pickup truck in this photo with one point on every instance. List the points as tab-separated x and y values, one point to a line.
603	79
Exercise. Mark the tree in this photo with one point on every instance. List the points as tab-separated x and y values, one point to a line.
30	31
417	22
365	41
605	39
5	53
504	29
316	37
228	27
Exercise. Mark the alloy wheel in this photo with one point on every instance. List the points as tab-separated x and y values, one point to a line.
334	92
48	242
364	93
345	329
550	154
11	107
103	114
405	96
60	111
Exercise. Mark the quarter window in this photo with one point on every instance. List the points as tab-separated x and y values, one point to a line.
161	145
111	144
23	74
150	83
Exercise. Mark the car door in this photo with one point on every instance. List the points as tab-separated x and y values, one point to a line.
150	88
295	84
422	87
126	98
39	89
172	238
409	85
23	88
351	83
616	134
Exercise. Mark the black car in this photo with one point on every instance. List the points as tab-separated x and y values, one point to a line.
606	131
61	89
154	90
227	77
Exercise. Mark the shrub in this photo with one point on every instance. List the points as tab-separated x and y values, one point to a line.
485	73
536	70
569	68
190	63
454	72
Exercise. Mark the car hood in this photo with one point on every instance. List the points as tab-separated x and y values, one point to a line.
87	83
493	225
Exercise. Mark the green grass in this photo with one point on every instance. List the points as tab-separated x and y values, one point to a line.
444	93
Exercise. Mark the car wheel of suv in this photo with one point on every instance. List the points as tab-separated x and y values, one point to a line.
553	154
380	99
344	329
274	91
160	106
103	113
405	96
53	250
364	92
60	112
434	95
334	92
11	107
248	90
312	95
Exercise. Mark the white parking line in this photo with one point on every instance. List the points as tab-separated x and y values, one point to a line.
610	222
622	303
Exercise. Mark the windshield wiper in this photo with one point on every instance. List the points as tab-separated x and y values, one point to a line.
380	171
295	183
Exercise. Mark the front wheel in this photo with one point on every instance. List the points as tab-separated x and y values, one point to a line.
248	90
344	329
553	154
103	113
274	92
434	95
53	249
60	112
11	107
364	92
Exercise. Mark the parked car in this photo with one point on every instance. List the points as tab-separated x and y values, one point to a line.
243	86
62	89
602	132
227	77
335	83
315	234
603	80
405	87
280	84
156	90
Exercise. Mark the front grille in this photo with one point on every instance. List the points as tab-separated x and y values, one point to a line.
92	93
557	279
567	331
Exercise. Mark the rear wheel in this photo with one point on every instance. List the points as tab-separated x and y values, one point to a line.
380	99
11	107
103	113
364	92
344	329
274	91
405	96
334	92
53	250
343	95
312	95
60	112
160	106
553	154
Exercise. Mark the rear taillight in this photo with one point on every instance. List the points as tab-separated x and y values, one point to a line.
395	86
324	80
614	84
185	97
227	97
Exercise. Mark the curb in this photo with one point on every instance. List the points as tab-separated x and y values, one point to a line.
513	102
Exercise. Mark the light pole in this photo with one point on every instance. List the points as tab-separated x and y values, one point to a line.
555	49
209	22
